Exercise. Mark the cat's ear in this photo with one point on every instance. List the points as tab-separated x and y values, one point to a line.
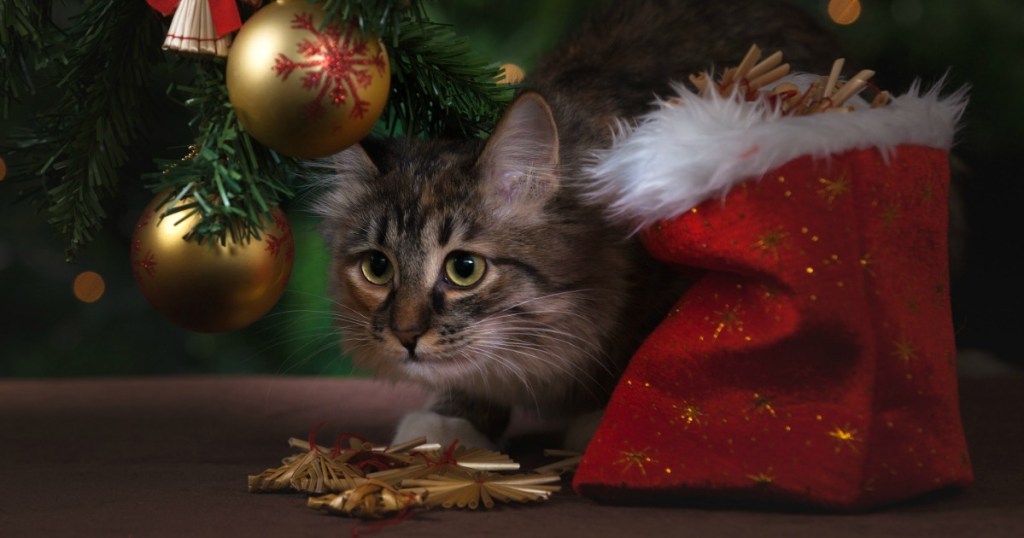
344	178
520	160
354	161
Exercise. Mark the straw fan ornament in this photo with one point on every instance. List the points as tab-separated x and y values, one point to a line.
358	479
201	27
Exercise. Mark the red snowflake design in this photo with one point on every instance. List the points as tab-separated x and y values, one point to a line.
274	244
334	63
281	222
136	247
137	243
147	264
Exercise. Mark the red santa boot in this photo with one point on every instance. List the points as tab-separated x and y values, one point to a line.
813	360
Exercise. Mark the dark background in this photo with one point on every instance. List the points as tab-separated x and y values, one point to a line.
45	331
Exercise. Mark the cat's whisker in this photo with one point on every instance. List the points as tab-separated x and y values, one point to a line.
542	317
491	357
528	328
547	297
571	370
481	370
288	332
576	341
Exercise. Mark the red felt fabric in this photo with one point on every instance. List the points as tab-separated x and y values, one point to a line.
165	7
813	360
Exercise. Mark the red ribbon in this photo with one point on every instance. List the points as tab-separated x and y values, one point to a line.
225	13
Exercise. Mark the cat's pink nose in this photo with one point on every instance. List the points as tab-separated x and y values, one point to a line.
408	338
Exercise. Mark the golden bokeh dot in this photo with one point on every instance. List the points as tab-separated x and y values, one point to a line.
844	12
89	286
511	74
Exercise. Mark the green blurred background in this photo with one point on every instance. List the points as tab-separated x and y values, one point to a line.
46	332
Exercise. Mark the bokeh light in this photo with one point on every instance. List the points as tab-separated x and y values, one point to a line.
3	169
511	74
89	286
844	11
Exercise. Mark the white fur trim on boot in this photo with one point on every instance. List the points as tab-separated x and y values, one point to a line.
693	148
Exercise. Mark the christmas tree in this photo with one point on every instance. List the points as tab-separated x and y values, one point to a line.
99	117
107	77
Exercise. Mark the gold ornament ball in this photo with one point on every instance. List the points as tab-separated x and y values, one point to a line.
303	88
209	287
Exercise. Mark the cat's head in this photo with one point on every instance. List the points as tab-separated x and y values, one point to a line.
467	264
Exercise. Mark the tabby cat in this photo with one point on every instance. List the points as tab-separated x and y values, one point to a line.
476	268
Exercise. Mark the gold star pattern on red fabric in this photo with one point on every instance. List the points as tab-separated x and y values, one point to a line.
635	458
764	478
845	437
763	404
728	320
833	188
835	343
904	350
690	414
770	242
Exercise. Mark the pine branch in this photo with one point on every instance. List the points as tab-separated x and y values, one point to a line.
101	110
22	26
439	87
25	26
382	18
69	158
234	182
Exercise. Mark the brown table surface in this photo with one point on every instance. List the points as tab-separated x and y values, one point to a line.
141	457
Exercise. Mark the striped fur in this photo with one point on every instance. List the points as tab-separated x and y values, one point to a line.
566	296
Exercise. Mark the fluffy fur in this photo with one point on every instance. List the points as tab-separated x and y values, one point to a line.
536	331
692	148
566	295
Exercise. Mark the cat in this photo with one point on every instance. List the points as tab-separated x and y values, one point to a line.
477	268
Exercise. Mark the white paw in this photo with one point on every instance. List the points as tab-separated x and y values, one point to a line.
581	430
440	429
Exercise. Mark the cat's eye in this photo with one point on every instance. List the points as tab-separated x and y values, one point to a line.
377	268
464	269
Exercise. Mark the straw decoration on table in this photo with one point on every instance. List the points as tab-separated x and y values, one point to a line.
358	479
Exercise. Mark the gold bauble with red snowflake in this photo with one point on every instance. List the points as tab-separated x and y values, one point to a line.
209	286
304	88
